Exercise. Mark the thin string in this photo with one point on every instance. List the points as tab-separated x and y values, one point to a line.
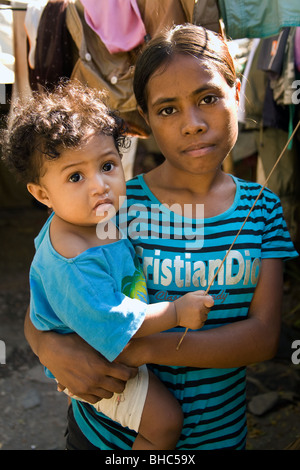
263	187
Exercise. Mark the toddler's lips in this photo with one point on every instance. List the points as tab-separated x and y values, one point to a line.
104	208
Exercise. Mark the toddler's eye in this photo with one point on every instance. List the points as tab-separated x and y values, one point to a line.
107	166
75	178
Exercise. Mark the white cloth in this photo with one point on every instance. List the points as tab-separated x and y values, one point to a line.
7	59
33	15
125	408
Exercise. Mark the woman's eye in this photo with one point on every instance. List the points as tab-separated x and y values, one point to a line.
75	178
167	111
107	166
210	99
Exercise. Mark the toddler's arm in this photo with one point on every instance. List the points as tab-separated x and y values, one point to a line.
236	344
189	311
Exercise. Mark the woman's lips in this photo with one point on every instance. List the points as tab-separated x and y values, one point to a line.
198	150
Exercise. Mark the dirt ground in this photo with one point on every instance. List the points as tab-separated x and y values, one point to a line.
33	414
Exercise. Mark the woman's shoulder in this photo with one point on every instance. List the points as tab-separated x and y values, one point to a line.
137	189
253	190
135	182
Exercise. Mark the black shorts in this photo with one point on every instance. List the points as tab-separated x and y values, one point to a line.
75	439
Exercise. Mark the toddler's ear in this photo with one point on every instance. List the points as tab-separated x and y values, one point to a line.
39	193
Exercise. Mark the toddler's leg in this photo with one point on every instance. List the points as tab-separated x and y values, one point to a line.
161	421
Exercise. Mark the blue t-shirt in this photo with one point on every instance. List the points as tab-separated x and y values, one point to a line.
180	254
100	294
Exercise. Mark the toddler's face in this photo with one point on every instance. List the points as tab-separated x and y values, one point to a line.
85	186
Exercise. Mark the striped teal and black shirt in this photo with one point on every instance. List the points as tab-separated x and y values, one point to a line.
180	254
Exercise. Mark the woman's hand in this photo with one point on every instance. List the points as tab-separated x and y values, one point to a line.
135	352
85	372
76	365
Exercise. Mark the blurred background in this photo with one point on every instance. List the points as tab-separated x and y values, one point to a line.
43	41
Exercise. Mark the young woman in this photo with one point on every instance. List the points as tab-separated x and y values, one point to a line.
187	91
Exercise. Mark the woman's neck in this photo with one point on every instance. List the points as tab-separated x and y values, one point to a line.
215	190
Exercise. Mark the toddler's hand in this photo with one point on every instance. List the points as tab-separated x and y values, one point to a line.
192	309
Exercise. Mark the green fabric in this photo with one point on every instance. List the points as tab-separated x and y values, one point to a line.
258	18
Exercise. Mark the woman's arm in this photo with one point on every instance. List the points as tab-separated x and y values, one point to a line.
238	344
252	340
76	365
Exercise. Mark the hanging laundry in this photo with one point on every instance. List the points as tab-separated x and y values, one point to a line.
272	53
297	48
244	79
158	15
276	58
258	18
206	13
32	18
95	66
53	58
283	85
7	59
117	22
271	60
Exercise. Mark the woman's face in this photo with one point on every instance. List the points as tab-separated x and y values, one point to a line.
192	112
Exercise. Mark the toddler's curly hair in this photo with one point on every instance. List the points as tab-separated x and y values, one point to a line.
48	122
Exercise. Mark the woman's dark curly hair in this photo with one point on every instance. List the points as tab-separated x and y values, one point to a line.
50	121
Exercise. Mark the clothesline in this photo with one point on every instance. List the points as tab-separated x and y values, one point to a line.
6	5
2	7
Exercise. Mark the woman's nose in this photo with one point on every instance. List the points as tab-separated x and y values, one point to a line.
193	122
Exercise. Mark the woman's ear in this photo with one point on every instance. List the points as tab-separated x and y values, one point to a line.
39	193
144	115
